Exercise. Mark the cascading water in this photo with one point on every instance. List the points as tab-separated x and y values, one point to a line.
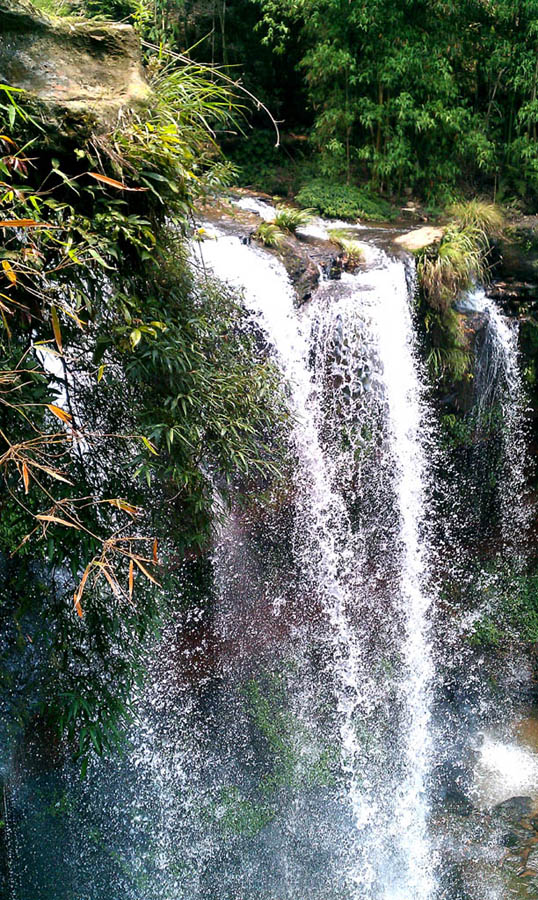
363	334
500	393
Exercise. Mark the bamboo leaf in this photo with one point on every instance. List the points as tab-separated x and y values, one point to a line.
146	572
56	328
149	445
113	183
59	413
116	590
50	518
10	272
24	223
78	607
126	507
135	336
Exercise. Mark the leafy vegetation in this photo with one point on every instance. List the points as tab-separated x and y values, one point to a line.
269	234
343	201
131	387
289	218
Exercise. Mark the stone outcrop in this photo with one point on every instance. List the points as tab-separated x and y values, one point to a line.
79	75
419	238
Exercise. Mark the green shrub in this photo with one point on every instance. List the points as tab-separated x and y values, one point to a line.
343	201
289	218
269	234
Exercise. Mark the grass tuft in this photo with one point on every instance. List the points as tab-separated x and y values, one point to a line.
269	234
485	218
289	218
350	247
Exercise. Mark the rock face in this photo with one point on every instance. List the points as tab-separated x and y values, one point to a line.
80	75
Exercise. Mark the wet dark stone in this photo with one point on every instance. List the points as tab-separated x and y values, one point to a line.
510	839
513	809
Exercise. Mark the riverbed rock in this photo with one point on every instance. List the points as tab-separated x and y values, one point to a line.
79	76
303	272
420	238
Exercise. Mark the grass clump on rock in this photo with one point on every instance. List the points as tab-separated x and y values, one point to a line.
461	258
448	268
269	234
289	218
350	248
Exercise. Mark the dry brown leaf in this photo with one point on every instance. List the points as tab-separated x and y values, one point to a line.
24	223
113	183
146	573
53	473
25	477
50	518
155	557
122	504
78	607
59	413
131	578
112	581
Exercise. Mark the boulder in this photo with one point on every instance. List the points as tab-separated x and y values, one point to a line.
419	238
513	809
78	75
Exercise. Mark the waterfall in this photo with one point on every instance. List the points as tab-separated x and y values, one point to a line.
356	397
501	399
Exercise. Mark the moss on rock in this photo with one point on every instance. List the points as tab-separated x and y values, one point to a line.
79	75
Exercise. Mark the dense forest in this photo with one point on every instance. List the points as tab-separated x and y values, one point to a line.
432	98
427	97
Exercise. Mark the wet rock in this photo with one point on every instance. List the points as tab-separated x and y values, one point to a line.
512	810
303	272
79	75
448	786
519	251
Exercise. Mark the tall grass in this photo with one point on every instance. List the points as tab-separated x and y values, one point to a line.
462	257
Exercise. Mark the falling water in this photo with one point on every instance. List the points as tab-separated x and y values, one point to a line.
499	390
359	412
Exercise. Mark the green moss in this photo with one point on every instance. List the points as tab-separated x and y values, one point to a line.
236	815
287	738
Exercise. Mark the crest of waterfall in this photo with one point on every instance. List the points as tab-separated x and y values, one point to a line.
361	484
